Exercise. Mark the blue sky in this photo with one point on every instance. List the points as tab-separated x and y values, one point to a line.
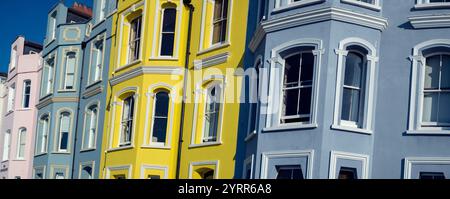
27	18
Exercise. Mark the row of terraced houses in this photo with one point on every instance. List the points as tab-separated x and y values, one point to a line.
231	89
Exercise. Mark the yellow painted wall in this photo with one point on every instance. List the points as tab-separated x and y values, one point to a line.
224	152
143	160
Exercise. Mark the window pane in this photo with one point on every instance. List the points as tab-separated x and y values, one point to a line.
444	111
86	172
291	102
307	69
350	105
353	70
169	21
292	71
432	72
430	107
64	140
167	44
305	101
160	130
347	174
290	172
445	72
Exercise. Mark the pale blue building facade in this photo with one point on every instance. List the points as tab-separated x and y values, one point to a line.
355	89
94	82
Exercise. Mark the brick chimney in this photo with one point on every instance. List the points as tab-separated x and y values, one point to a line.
81	8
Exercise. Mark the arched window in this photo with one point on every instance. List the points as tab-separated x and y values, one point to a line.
355	86
64	129
168	31
86	172
69	77
211	114
160	118
21	142
353	89
127	121
6	145
26	94
90	128
97	60
436	91
47	79
43	130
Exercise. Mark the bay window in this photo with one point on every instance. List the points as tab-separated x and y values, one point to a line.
134	45
160	118
220	21
44	125
26	94
63	134
97	61
168	32
11	98
69	74
21	143
90	131
211	114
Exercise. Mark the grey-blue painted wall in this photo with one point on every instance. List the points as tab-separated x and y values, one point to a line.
388	145
102	27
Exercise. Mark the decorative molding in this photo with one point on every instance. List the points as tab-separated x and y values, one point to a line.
205	163
78	32
410	161
315	16
165	169
364	159
93	91
146	70
49	101
430	21
118	168
211	61
373	6
287	154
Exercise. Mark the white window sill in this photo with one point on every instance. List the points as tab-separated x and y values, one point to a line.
87	150
362	4
40	154
95	83
290	127
155	147
428	132
162	58
61	152
250	136
351	129
120	148
297	4
24	109
432	5
67	91
213	48
205	145
128	65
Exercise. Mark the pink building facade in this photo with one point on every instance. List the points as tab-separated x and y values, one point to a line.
19	110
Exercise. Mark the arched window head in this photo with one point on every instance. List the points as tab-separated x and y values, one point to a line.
160	118
64	130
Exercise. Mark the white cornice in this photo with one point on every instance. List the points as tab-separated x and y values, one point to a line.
146	70
315	16
430	21
211	61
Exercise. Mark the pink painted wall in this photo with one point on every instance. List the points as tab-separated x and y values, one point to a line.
28	68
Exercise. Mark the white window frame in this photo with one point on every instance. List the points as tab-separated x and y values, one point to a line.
14	58
335	155
292	4
276	73
102	11
138	39
174	33
43	147
65	72
25	95
266	156
206	99
410	161
87	132
417	87
370	83
6	145
209	38
200	92
49	80
259	62
21	142
373	6
58	139
97	65
151	96
425	4
84	164
53	23
11	98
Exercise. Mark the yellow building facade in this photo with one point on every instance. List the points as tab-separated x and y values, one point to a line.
210	130
147	84
147	64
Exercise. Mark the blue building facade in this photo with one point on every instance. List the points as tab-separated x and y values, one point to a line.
355	89
94	82
58	104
